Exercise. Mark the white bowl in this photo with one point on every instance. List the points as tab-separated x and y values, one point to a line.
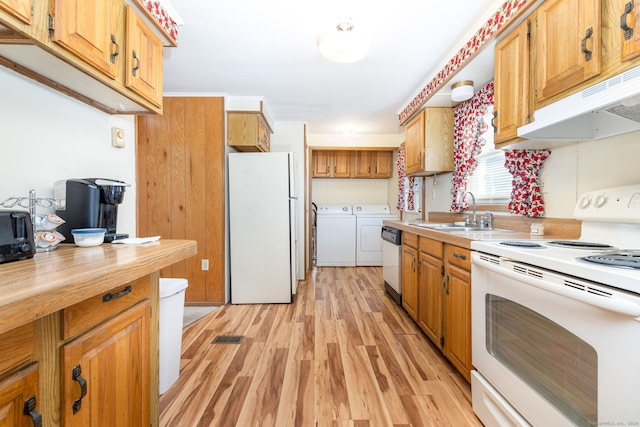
88	236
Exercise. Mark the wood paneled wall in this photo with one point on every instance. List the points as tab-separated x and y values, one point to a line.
180	177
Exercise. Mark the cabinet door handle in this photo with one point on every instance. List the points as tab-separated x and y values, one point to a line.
420	157
493	121
137	67
117	51
75	376
587	52
444	284
109	297
459	256
628	31
30	410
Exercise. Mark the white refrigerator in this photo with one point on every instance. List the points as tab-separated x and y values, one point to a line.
262	228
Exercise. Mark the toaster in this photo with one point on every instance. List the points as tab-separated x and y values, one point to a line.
16	236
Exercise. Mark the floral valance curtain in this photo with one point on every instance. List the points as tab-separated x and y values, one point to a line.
406	188
467	143
525	166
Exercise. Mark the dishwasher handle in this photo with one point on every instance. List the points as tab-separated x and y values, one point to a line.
392	235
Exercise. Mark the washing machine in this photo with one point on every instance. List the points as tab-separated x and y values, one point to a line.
369	220
335	236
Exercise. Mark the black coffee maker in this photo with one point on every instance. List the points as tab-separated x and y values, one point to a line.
89	203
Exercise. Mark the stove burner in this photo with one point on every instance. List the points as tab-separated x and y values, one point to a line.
522	244
622	259
577	244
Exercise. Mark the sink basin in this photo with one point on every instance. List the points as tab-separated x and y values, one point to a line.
453	228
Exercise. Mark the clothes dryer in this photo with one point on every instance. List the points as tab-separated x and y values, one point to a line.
369	219
336	236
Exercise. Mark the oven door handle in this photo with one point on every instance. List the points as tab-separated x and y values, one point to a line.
615	305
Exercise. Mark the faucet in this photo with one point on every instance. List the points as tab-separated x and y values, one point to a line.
474	218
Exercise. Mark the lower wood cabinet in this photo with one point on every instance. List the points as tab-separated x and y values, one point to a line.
457	320
410	262
19	399
430	290
436	293
105	373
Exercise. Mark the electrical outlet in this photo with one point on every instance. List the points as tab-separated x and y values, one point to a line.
205	265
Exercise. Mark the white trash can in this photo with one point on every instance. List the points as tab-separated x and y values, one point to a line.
171	312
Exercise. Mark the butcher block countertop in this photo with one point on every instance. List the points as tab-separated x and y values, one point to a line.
51	281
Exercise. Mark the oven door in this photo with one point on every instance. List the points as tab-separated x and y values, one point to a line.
561	355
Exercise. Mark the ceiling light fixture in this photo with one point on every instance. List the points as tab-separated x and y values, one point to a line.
344	44
462	91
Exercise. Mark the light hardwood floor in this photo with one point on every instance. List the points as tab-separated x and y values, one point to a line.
343	354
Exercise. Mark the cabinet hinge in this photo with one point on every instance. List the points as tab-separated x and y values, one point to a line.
50	24
442	270
529	29
441	341
33	7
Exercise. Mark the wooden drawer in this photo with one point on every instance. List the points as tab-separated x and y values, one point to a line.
84	315
410	240
16	346
431	247
458	256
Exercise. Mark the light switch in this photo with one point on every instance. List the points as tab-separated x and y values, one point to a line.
117	137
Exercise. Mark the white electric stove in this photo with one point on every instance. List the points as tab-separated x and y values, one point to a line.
556	323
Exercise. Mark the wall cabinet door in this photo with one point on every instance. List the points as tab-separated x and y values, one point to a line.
17	390
321	164
429	142
89	29
372	164
144	59
567	44
106	373
430	297
341	164
410	280
630	30
511	84
20	9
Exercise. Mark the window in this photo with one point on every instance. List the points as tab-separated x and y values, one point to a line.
491	182
417	189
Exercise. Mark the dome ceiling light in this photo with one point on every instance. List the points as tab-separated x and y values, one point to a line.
462	91
344	44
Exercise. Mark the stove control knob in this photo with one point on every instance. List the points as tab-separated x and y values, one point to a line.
585	202
601	200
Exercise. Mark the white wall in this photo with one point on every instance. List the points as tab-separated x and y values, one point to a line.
46	136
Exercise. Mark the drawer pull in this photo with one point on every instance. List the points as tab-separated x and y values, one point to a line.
109	297
83	387
30	410
459	256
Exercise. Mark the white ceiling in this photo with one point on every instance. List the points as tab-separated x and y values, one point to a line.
268	49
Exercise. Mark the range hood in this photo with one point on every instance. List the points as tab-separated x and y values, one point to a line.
608	108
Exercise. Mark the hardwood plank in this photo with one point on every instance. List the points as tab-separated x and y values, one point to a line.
343	354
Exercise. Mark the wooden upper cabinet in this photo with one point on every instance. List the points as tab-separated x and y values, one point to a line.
372	164
341	164
90	30
511	84
20	9
429	142
567	45
321	164
248	132
630	30
144	59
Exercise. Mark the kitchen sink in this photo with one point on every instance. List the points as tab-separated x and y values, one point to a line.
454	228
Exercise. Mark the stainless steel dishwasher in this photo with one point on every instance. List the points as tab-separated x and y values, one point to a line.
391	253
